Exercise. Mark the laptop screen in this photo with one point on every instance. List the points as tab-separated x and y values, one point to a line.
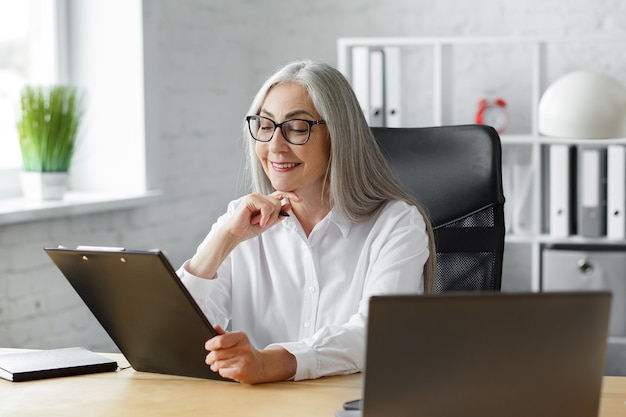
489	354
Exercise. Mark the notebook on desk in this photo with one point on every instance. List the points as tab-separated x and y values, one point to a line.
143	306
488	355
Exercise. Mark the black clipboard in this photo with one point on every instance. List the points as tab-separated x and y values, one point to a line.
143	306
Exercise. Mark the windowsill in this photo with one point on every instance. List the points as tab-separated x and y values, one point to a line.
19	210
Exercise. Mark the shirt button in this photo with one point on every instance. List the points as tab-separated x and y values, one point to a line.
307	324
312	289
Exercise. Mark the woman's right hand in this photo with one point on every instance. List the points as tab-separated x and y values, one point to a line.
255	214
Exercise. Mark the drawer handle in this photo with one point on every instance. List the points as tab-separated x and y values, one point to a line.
585	266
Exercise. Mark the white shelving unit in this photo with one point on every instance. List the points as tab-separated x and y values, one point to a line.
523	254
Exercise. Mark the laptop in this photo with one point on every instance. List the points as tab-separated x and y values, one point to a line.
143	306
487	355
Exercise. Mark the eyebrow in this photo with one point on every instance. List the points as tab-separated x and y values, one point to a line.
292	113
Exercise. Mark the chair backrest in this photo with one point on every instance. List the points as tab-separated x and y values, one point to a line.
455	172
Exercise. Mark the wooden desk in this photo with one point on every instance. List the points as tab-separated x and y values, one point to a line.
130	393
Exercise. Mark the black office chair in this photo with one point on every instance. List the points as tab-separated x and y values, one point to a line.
456	173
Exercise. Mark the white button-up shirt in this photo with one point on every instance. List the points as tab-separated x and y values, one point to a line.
310	295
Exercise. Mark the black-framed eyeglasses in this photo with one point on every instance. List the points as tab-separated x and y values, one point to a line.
295	131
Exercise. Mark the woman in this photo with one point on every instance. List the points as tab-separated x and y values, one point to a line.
292	265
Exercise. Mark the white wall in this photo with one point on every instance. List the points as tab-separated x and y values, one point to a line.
203	61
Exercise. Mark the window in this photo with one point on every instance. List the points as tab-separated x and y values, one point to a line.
32	50
104	55
29	53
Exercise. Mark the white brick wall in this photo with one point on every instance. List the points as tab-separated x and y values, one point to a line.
204	61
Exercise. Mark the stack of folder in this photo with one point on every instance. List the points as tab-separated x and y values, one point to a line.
585	190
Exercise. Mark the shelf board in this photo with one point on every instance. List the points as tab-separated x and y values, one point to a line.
573	240
579	240
529	139
470	40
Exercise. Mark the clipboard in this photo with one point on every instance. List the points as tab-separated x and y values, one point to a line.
143	306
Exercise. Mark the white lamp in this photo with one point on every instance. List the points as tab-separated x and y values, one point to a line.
584	105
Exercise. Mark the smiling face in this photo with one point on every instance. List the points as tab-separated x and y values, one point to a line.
297	168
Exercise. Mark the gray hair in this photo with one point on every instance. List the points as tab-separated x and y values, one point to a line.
361	180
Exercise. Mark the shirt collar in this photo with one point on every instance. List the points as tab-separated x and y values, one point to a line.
333	217
340	221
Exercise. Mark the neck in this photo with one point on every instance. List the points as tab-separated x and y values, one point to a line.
311	211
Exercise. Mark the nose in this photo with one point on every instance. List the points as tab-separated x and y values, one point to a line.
278	141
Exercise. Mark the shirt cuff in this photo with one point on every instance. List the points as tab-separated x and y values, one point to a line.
182	272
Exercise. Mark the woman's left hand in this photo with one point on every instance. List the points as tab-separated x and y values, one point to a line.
232	355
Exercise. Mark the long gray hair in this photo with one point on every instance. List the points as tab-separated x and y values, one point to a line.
360	180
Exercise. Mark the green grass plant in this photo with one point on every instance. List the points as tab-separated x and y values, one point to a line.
48	121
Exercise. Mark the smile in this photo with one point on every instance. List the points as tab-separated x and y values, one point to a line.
286	165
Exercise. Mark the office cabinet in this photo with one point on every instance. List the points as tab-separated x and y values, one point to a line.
439	81
594	269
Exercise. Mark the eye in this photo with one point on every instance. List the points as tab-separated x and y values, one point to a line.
266	124
298	126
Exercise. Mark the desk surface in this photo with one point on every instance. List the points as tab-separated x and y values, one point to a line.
130	393
133	393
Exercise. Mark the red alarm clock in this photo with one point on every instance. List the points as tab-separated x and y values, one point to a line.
493	113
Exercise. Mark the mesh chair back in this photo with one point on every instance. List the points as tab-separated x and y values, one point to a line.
456	173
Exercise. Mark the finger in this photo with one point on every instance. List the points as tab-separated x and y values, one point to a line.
228	340
211	346
235	373
289	195
273	212
263	209
217	342
219	358
268	214
285	204
219	331
237	368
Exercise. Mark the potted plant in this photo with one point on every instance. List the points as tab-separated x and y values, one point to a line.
48	120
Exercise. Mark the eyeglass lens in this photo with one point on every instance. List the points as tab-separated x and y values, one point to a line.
295	131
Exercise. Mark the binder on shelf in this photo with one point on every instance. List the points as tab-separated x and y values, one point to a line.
522	204
376	88
560	178
368	82
376	81
616	191
393	87
361	77
592	191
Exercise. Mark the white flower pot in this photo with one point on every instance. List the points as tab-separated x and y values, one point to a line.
44	185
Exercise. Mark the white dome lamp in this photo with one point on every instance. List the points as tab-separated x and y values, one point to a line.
583	105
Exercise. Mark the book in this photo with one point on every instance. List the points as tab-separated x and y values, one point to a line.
368	82
559	185
616	192
361	77
592	191
393	86
376	115
52	363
